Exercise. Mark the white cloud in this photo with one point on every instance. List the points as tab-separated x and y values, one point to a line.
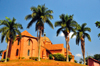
78	55
62	35
71	35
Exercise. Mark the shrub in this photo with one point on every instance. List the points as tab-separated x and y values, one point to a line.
33	58
59	57
21	57
7	59
69	56
80	62
50	56
75	61
2	60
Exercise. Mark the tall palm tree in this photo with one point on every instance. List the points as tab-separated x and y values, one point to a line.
67	25
40	15
97	23
9	31
80	36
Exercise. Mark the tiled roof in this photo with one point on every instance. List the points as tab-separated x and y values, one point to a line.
54	47
26	33
94	60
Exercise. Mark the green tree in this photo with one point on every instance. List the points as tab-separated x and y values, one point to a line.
97	57
40	15
75	61
67	25
97	23
9	31
80	36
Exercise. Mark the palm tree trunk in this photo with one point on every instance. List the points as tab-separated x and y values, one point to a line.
67	41
39	49
83	49
7	51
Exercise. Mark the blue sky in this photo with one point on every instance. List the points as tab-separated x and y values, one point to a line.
85	11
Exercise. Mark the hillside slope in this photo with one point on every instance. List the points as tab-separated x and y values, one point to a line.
38	63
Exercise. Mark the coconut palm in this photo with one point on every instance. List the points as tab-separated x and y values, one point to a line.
67	25
40	15
98	25
80	36
9	31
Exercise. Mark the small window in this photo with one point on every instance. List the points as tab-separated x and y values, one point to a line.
28	52
17	52
29	42
18	42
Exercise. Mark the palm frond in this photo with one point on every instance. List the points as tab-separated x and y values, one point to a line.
13	20
87	29
58	23
77	38
8	19
49	12
31	22
34	9
97	23
28	17
3	35
3	29
19	33
99	35
4	22
73	34
49	16
58	31
88	36
49	23
17	25
83	25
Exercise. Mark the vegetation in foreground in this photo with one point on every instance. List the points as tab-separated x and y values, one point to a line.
43	62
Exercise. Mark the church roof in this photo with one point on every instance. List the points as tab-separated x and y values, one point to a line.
54	46
94	60
26	33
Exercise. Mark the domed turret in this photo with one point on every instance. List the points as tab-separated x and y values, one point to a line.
46	39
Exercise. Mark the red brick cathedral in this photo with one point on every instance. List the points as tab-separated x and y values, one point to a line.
28	47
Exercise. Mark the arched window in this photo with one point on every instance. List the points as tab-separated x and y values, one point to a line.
28	52
18	42
17	52
29	42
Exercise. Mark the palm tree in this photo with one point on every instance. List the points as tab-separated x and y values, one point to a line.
67	25
9	32
80	36
97	23
40	15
